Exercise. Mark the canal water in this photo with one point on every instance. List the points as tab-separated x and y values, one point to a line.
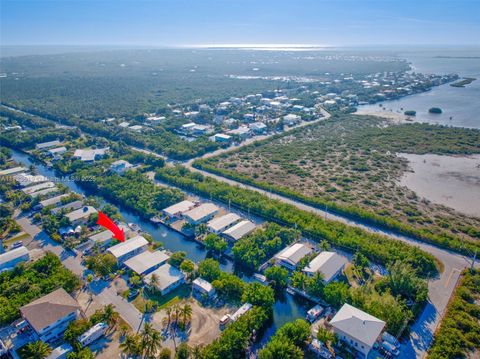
287	307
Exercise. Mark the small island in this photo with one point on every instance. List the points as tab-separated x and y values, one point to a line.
464	82
410	113
435	110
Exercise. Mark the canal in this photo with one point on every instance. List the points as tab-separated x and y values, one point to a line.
287	307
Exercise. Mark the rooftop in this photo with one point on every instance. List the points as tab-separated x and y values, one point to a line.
201	211
102	237
327	263
48	309
294	253
13	254
240	229
25	180
41	146
226	220
53	200
38	187
81	213
179	207
128	246
146	260
358	324
166	276
202	283
13	170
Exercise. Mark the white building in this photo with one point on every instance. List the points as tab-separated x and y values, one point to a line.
168	278
45	145
92	334
12	171
57	152
203	288
90	155
25	180
50	315
292	119
68	207
239	230
201	213
357	328
243	132
329	264
258	127
60	352
290	256
38	187
241	311
44	191
81	215
178	209
129	248
136	128
220	224
221	137
120	166
146	261
103	238
10	259
52	201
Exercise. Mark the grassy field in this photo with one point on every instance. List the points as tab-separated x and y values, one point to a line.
349	165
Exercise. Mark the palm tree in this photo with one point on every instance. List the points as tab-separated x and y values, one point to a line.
151	341
110	315
89	282
186	313
168	319
131	345
36	350
154	281
196	352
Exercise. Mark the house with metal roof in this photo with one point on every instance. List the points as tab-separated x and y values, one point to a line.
177	210
146	261
329	264
68	207
45	145
201	214
52	201
50	315
167	277
44	192
202	288
60	352
129	248
222	223
80	215
103	238
12	171
239	230
10	259
38	187
290	256
357	328
25	180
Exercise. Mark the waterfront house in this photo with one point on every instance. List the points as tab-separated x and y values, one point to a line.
57	152
46	145
12	171
220	224
90	155
146	261
103	239
168	278
54	201
239	230
38	187
290	256
329	264
129	248
68	207
25	180
358	329
10	259
81	215
177	210
201	214
50	315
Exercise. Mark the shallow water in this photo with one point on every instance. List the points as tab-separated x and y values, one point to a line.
453	181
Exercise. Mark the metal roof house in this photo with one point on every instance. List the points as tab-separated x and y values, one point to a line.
80	215
357	328
68	207
52	201
201	213
60	352
45	145
291	255
168	278
38	187
50	315
178	209
220	224
203	288
131	247
239	230
12	171
102	238
147	261
329	264
10	259
25	180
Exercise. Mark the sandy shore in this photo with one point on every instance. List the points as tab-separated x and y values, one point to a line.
394	116
453	181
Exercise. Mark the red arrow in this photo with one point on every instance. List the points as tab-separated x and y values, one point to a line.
106	222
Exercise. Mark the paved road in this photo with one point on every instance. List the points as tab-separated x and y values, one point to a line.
102	290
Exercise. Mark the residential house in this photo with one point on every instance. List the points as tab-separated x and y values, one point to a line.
167	277
90	155
120	166
12	171
60	352
239	230
202	288
25	180
146	261
291	119
222	138
68	207
129	248
259	128
46	145
290	256
103	239
81	215
50	315
52	201
220	224
201	214
10	259
57	152
178	209
38	187
358	329
329	264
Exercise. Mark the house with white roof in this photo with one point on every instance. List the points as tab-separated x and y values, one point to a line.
81	215
129	248
10	259
103	238
202	288
45	145
239	230
290	256
146	261
68	207
44	191
92	334
329	264
243	132
38	187
258	127
52	201
221	137
357	328
167	277
57	152
90	155
222	223
201	214
12	171
25	180
120	166
291	119
177	210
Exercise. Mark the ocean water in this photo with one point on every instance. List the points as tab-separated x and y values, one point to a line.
461	106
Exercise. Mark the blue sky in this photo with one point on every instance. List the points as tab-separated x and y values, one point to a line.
180	22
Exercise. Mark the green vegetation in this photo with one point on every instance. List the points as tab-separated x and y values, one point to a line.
28	282
436	110
254	249
288	342
459	333
132	190
277	276
102	264
375	247
348	164
35	350
215	243
410	113
146	344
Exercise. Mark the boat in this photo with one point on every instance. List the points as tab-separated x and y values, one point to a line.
134	227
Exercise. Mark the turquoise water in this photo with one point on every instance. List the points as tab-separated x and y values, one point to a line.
461	106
